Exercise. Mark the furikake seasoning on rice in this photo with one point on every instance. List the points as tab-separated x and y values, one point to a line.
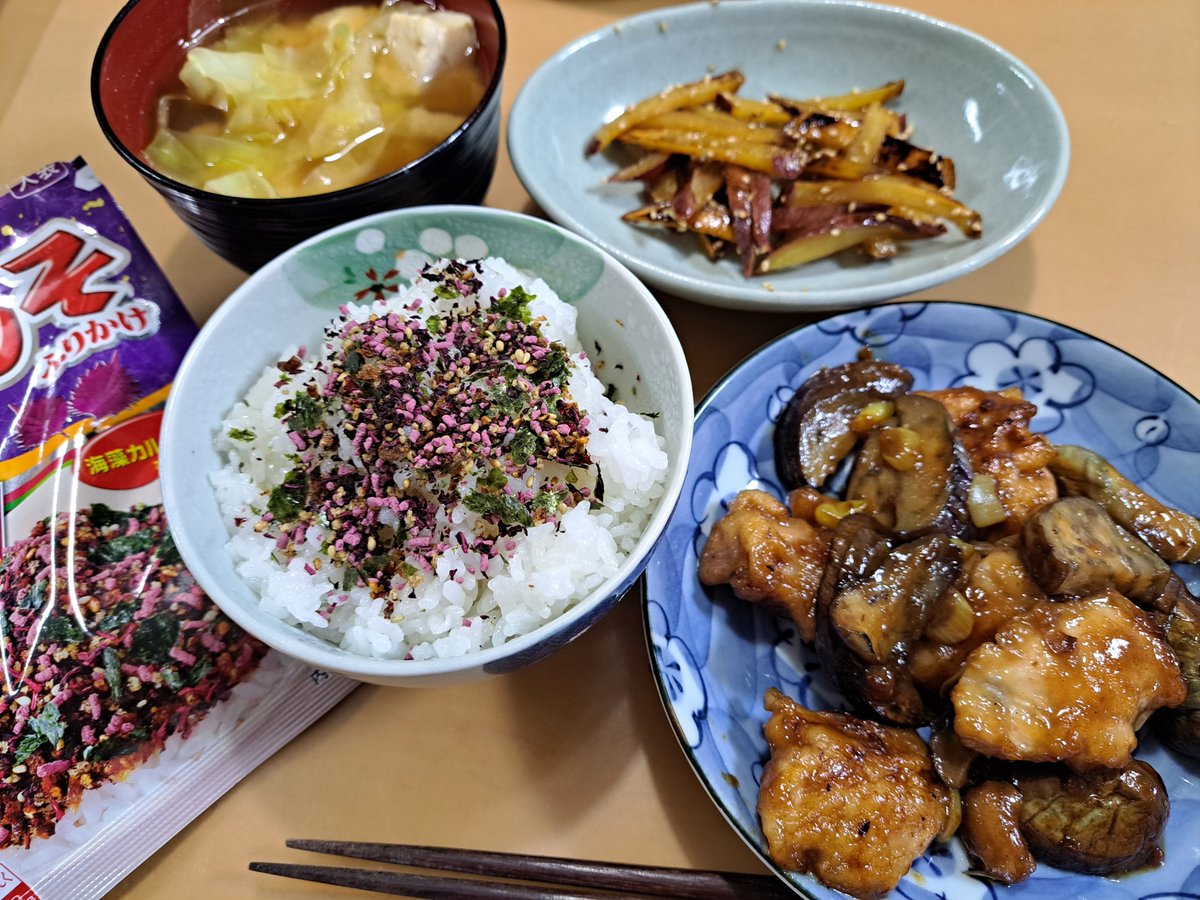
110	648
485	414
407	463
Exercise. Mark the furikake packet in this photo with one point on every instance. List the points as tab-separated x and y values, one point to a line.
112	656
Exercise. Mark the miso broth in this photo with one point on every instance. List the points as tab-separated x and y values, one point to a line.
280	106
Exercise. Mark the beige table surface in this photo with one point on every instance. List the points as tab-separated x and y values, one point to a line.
574	756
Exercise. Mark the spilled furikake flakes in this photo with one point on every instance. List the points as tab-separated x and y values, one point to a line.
414	419
110	648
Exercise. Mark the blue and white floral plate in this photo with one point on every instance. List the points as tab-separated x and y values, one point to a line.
714	656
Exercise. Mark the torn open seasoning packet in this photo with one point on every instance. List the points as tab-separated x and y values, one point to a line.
130	703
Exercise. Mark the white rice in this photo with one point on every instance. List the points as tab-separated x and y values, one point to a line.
534	578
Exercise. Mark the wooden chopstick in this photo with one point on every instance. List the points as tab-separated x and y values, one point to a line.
428	887
641	880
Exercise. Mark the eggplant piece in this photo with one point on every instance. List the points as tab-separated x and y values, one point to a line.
1073	547
881	684
804	220
814	431
1179	728
1102	822
991	832
1183	634
914	477
838	219
804	248
1172	534
761	210
887	693
800	251
883	613
858	547
951	759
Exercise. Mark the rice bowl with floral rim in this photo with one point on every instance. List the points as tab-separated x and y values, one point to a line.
421	479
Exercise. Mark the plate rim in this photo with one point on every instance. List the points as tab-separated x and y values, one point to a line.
753	296
787	877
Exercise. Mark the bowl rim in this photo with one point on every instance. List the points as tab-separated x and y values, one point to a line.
753	296
285	637
166	183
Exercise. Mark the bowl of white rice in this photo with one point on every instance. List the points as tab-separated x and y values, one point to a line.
427	446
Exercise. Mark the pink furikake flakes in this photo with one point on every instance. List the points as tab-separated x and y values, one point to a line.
413	465
94	690
438	411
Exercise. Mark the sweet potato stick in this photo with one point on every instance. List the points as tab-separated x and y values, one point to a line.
712	123
748	110
812	247
739	189
864	148
777	161
643	167
909	197
844	102
704	180
695	93
713	220
760	212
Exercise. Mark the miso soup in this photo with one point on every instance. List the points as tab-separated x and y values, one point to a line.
281	106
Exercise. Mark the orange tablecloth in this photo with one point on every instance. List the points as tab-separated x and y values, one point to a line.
574	756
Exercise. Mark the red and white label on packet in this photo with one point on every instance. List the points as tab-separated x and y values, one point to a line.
123	457
13	887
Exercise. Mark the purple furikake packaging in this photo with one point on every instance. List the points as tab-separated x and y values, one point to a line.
111	654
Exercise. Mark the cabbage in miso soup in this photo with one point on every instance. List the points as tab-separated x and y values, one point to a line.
286	107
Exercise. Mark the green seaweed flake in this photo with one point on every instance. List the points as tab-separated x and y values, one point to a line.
301	413
506	509
154	639
117	549
524	444
555	365
112	672
287	500
47	727
546	503
515	305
